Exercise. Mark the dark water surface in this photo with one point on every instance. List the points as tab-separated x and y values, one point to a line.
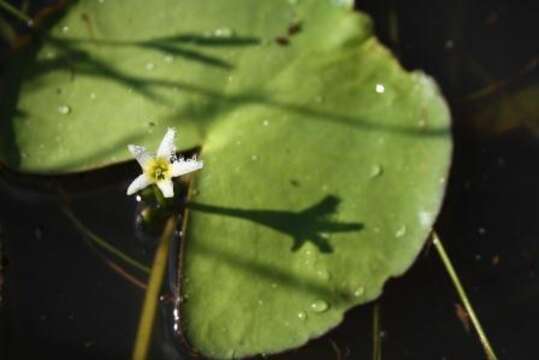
62	299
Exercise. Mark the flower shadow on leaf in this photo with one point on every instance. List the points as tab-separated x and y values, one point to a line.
310	224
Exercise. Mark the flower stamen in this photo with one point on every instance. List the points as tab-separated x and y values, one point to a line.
158	169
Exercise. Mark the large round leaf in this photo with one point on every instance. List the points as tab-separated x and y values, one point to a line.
325	162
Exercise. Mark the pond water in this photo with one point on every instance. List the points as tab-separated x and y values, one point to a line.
61	296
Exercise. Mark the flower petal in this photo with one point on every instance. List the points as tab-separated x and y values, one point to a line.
167	147
138	184
185	166
166	187
140	153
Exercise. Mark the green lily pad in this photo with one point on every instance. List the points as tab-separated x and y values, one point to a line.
325	161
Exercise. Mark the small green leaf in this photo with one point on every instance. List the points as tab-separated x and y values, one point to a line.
325	161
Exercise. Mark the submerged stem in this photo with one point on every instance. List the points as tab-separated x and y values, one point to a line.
376	335
102	243
16	12
463	297
144	332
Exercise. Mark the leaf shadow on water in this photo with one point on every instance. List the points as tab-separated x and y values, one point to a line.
311	224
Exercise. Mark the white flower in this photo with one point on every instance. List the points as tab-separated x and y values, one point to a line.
161	168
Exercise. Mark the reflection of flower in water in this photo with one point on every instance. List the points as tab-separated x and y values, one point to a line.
161	168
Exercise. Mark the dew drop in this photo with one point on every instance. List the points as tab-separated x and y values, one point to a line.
319	306
266	123
293	2
64	109
254	157
65	28
323	274
400	231
425	218
93	96
224	32
169	59
149	66
359	291
302	315
380	89
101	1
376	171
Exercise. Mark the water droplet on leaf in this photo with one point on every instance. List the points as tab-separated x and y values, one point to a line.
319	306
425	218
380	89
323	274
401	231
376	171
359	291
224	32
302	315
64	109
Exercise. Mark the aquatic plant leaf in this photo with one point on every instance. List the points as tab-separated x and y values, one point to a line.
325	161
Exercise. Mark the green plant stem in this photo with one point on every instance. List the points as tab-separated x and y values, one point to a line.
16	12
102	243
376	337
159	196
463	297
144	332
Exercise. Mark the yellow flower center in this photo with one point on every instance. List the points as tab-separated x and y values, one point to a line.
158	169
